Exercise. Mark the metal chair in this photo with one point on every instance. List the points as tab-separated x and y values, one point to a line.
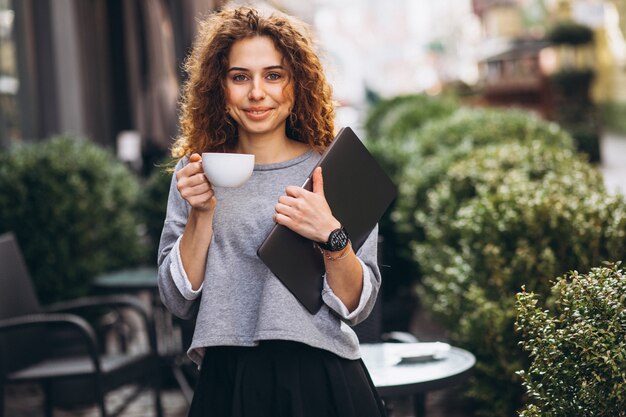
34	344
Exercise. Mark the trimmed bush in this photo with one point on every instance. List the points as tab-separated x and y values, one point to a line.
388	137
439	144
72	206
401	114
390	122
577	346
506	216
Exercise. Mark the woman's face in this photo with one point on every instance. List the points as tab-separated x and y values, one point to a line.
259	93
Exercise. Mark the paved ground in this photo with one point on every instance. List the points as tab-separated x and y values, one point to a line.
26	401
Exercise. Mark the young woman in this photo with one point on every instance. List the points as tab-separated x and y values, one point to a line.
256	86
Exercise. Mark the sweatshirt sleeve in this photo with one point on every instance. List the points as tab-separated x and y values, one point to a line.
174	287
368	257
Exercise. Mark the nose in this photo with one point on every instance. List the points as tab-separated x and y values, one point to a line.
256	92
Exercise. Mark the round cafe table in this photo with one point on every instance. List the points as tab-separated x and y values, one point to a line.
138	279
415	375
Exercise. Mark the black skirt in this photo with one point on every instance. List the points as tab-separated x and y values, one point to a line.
282	379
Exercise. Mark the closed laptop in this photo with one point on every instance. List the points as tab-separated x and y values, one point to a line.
358	192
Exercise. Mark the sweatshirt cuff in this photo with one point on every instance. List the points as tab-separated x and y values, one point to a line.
335	304
180	276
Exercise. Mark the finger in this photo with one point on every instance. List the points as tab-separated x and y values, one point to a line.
189	170
197	179
283	220
202	188
198	190
191	181
318	181
288	201
195	160
286	210
293	191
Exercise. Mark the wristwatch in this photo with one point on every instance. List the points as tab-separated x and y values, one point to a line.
337	240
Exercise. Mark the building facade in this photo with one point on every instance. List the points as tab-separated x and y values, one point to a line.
94	68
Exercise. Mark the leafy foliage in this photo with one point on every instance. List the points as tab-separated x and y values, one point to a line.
389	137
72	206
391	123
505	216
578	346
440	143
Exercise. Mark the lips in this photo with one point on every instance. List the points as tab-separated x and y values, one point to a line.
257	113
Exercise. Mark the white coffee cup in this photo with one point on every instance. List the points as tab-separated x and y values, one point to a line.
227	169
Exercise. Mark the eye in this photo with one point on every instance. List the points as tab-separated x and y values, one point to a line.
239	77
274	76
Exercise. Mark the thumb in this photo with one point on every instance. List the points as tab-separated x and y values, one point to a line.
318	181
195	157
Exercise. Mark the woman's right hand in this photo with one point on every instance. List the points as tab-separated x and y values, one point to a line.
194	186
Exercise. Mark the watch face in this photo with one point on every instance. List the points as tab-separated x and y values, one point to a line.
337	240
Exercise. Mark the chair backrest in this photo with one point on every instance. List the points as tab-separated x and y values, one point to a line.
17	295
17	298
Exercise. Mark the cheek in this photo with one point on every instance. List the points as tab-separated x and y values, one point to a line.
231	103
288	96
229	96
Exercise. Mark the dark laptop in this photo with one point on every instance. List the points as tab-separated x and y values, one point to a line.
358	192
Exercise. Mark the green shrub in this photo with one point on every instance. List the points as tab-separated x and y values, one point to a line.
578	346
400	114
390	122
153	207
388	138
440	143
72	207
506	216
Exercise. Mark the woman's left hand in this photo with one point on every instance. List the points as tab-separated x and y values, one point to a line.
307	212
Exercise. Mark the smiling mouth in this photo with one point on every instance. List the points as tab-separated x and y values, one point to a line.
257	111
258	114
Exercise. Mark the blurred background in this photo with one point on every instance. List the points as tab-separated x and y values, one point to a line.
99	68
503	123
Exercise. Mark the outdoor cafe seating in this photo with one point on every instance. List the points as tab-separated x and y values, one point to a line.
55	345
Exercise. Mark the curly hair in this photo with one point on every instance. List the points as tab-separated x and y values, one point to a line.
206	126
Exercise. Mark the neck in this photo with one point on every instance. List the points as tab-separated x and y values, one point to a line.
271	150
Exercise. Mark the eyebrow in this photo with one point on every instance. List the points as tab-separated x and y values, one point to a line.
271	67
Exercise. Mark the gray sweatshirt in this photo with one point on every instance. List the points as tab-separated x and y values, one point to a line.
240	301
